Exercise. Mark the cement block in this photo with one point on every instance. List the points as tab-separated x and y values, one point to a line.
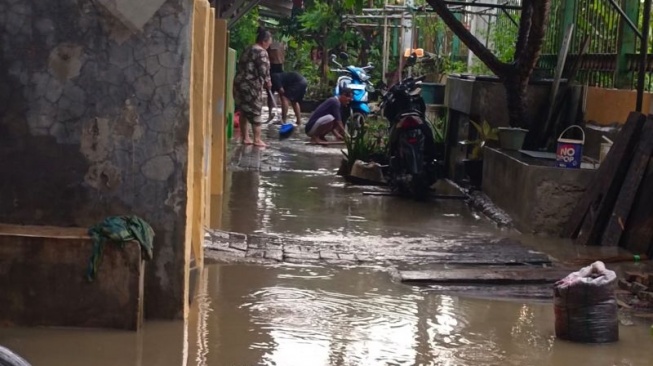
538	197
42	276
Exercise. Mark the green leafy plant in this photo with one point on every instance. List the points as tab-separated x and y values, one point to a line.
243	33
358	147
484	135
438	127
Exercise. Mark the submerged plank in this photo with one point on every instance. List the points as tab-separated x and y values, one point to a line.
531	291
486	275
432	195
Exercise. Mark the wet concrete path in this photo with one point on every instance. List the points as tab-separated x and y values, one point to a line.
303	310
286	203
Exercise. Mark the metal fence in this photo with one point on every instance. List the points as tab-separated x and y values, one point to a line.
610	59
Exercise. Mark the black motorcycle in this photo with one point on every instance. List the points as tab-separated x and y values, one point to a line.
412	152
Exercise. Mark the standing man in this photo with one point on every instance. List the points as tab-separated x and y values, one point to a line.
291	87
327	119
277	53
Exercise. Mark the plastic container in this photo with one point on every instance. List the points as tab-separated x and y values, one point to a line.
286	130
569	152
512	138
433	93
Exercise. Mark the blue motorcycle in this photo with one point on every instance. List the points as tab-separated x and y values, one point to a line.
358	80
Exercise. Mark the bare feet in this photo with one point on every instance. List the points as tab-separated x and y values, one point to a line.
246	142
317	141
260	143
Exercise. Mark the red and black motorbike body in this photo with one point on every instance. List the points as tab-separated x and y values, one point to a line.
412	152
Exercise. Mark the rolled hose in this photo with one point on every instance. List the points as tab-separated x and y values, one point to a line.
8	358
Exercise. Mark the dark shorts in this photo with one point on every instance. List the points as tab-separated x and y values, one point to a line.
296	92
276	68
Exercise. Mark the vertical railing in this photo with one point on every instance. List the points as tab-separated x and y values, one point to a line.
607	61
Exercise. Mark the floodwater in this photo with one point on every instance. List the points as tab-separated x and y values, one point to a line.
291	315
288	314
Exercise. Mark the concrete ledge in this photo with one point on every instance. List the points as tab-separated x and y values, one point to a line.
42	277
538	196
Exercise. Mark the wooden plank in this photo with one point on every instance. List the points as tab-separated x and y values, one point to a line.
622	208
594	224
44	231
638	237
435	196
532	291
609	176
457	259
507	275
562	60
476	251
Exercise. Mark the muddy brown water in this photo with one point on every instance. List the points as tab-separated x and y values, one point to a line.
297	314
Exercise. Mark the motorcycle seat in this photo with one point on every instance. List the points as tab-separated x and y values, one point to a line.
410	113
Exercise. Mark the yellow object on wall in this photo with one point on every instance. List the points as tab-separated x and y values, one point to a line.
608	106
219	138
198	151
219	95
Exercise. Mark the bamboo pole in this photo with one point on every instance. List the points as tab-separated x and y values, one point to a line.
385	47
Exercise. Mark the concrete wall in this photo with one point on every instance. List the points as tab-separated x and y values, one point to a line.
610	106
539	199
486	100
43	284
94	121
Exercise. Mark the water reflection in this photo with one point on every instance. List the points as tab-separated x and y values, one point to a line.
314	316
317	205
319	316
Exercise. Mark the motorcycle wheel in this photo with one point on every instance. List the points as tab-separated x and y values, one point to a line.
419	188
356	124
9	358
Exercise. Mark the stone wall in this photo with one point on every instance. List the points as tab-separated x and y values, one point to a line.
94	119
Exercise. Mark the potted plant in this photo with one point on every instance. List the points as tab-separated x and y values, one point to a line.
473	166
431	66
512	138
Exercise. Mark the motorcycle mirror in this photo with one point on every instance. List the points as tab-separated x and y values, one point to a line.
334	58
344	56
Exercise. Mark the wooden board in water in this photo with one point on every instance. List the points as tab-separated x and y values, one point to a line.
486	275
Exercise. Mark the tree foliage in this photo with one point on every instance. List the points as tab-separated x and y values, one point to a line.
515	73
243	33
